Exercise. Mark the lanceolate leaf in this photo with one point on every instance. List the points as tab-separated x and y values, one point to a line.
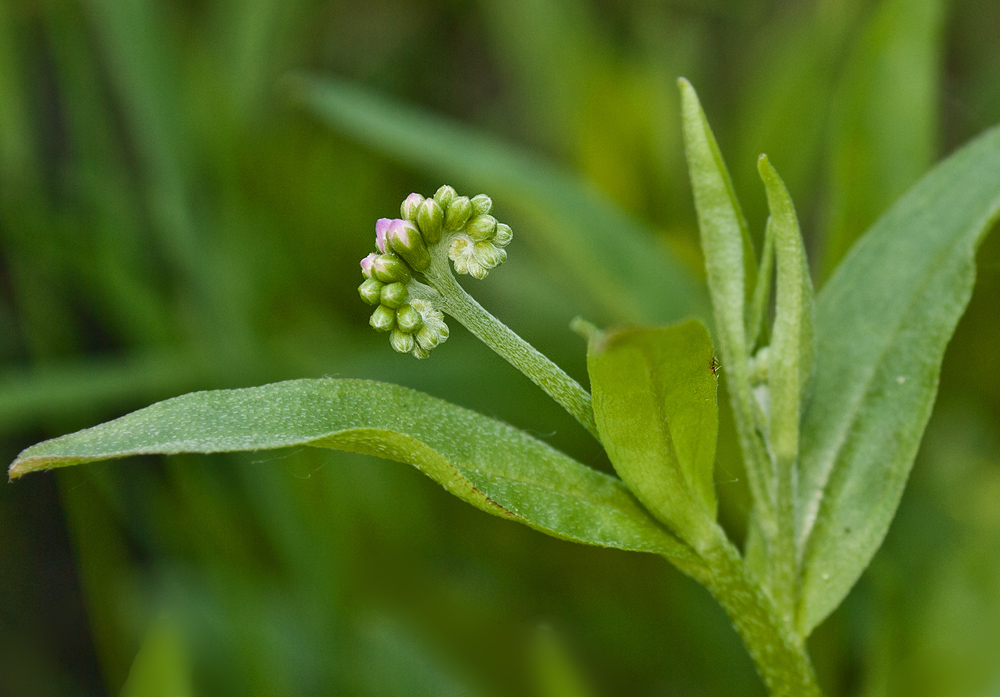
612	257
489	464
731	271
655	404
882	323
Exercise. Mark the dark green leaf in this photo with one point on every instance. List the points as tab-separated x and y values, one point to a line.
654	392
489	464
882	324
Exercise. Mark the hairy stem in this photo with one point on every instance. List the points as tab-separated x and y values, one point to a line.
778	653
453	300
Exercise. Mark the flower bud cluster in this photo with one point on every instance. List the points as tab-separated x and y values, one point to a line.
475	244
414	325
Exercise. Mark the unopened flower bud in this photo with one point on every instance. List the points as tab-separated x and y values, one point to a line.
389	269
457	213
381	230
503	235
383	319
411	204
481	204
408	319
394	295
430	218
444	196
432	332
405	240
481	227
401	341
366	265
488	254
370	291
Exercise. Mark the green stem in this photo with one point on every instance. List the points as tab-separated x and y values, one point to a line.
779	654
452	299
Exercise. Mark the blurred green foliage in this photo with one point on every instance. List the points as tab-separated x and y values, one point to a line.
172	218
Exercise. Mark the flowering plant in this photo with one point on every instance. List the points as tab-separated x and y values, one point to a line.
829	398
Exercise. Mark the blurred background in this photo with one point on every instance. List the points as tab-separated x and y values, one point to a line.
185	191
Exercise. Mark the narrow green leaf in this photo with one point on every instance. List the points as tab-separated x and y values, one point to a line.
792	349
731	271
612	257
882	325
757	324
489	464
790	358
162	668
654	391
884	118
556	671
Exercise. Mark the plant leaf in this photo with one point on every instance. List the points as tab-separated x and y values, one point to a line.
654	394
489	464
884	118
613	257
792	350
731	270
882	324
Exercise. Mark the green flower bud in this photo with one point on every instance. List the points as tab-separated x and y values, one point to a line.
503	235
487	254
408	319
411	204
370	291
457	214
383	319
444	196
481	204
432	332
430	219
388	269
394	295
402	342
481	227
405	240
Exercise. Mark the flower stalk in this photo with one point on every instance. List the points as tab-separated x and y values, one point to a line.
411	283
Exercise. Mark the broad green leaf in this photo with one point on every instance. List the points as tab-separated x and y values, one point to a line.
611	256
884	118
489	464
654	392
882	323
162	668
731	270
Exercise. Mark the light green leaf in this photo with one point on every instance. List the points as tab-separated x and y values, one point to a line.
611	256
757	324
654	392
882	325
790	357
731	271
793	347
489	464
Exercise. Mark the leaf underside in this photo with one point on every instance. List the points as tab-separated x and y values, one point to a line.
883	322
485	462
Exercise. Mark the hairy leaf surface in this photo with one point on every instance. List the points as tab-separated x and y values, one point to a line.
489	464
655	404
882	323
